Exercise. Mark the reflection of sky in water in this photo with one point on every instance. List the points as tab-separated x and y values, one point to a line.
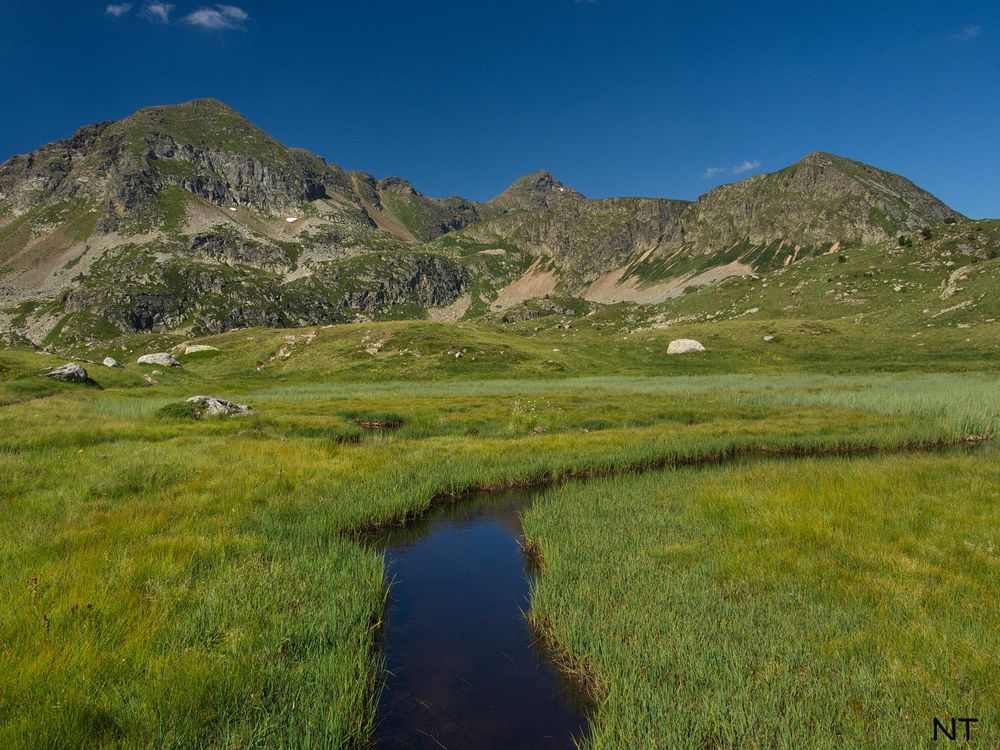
464	671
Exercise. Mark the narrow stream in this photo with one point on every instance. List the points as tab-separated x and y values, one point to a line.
463	668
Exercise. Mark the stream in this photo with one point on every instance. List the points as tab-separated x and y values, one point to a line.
463	667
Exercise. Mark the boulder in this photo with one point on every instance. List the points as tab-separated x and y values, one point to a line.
159	358
195	348
111	362
210	406
70	373
684	346
769	337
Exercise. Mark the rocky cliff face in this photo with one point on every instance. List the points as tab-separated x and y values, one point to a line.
191	215
586	238
136	289
50	174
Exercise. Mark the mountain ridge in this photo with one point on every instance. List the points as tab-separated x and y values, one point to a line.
191	215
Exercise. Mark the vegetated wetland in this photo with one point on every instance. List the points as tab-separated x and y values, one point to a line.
838	602
179	582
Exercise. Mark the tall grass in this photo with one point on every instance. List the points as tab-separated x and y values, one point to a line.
968	404
181	583
838	604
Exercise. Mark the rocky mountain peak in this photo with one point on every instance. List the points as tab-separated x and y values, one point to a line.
822	157
541	181
193	108
821	200
202	123
398	186
535	191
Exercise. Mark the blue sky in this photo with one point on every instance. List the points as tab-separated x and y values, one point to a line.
615	97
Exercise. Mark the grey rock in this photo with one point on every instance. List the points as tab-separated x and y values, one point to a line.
159	358
111	362
195	348
70	373
211	406
684	346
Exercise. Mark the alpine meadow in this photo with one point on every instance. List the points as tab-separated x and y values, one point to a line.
294	456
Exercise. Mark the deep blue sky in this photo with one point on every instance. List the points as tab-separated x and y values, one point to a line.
615	97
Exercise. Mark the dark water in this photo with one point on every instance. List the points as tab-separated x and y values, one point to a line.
464	670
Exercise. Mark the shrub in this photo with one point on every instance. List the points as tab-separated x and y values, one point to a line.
179	410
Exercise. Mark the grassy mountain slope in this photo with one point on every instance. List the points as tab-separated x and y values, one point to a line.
190	218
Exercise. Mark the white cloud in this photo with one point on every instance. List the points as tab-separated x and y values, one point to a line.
967	33
231	11
159	12
218	17
118	10
746	166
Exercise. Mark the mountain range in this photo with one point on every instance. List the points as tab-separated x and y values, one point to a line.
190	218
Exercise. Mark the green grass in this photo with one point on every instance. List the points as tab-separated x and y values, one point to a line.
608	343
172	206
192	583
874	288
176	167
829	604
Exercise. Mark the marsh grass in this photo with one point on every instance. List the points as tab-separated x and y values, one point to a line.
842	604
185	583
